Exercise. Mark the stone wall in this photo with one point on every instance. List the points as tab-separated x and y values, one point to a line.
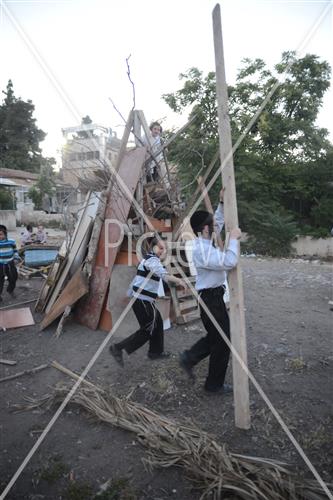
39	217
8	219
308	246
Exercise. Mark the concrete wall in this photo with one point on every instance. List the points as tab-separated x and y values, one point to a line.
39	217
306	245
8	219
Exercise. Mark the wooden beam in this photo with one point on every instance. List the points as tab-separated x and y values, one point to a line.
138	142
207	201
182	221
76	288
209	208
124	140
237	318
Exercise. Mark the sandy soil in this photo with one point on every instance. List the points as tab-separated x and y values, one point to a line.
289	327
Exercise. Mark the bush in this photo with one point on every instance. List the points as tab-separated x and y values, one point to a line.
271	234
7	199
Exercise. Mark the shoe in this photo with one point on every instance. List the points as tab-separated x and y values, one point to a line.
225	389
185	365
117	354
161	355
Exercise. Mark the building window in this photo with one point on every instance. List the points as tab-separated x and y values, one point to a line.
90	155
97	155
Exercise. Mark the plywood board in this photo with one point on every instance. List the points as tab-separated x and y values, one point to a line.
119	203
121	278
81	229
15	318
73	291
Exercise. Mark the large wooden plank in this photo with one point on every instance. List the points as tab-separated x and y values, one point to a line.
119	202
237	318
88	213
73	291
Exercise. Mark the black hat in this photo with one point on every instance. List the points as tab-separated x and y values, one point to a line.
199	219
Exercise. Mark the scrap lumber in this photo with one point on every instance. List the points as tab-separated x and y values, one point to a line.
15	318
82	227
73	291
64	317
237	317
96	231
25	372
51	278
9	362
119	202
18	304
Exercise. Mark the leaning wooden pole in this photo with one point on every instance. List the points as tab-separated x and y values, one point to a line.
237	318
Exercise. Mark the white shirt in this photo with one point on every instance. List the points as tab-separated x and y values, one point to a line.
211	263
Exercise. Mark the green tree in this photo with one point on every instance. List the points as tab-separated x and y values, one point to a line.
7	199
19	135
282	166
45	185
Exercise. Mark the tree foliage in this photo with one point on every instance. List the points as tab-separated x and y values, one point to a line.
7	199
283	166
45	185
19	135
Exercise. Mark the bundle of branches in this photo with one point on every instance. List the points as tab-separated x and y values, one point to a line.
95	180
211	467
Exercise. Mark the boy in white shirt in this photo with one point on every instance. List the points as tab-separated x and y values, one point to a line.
212	264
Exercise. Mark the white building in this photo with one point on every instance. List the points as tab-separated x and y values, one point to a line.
88	147
19	182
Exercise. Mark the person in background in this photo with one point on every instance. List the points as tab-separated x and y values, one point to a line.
144	288
27	237
41	236
155	144
212	263
8	255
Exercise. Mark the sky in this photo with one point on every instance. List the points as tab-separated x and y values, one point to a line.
69	57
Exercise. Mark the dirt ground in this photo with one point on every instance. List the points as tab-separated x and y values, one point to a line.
289	327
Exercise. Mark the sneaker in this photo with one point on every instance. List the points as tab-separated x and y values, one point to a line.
225	389
117	354
161	355
186	366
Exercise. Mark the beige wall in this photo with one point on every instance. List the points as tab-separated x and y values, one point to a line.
8	219
306	245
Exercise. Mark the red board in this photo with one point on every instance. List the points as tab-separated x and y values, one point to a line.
90	307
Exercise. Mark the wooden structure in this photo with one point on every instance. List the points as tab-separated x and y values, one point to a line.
237	318
80	278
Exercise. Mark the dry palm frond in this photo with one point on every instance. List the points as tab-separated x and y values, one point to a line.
214	471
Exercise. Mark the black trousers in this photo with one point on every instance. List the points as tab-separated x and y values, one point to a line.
212	344
10	271
151	329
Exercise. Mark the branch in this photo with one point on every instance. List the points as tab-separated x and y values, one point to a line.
130	79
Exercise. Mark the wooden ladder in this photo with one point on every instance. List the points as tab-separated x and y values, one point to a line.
184	303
